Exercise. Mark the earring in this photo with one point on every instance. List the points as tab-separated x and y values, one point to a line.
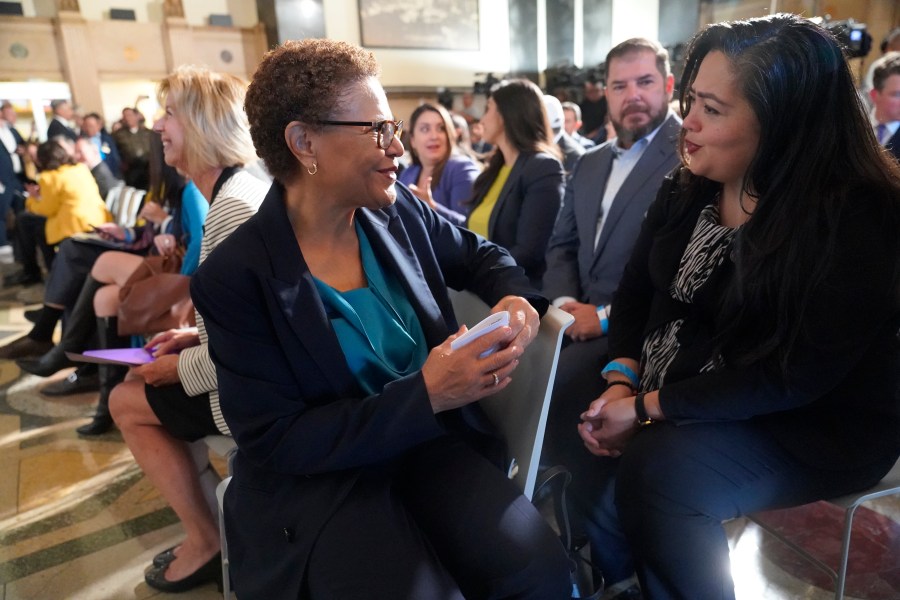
314	170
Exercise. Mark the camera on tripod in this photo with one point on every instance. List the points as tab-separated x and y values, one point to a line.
853	36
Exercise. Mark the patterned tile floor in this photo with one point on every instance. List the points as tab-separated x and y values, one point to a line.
78	521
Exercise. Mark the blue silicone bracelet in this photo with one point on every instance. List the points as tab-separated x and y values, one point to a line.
604	326
624	370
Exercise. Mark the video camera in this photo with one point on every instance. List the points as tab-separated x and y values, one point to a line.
853	36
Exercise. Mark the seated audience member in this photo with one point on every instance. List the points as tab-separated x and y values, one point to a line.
570	149
606	199
133	141
572	123
479	146
11	189
92	130
754	331
885	97
328	320
440	174
517	197
63	121
890	43
593	111
173	400
66	202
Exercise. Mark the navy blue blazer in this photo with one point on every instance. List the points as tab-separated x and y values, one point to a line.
304	428
522	219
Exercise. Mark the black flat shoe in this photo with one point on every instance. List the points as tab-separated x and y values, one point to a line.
165	557
99	425
52	361
33	315
78	381
211	571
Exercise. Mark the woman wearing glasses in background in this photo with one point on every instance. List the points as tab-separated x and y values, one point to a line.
518	195
329	322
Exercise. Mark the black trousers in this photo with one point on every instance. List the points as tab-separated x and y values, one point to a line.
73	263
578	383
440	523
674	486
32	238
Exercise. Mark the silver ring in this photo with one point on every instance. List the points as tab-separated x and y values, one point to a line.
496	378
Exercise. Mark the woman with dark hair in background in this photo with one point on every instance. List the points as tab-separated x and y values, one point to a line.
518	195
440	174
754	331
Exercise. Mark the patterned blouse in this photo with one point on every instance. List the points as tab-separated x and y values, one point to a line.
708	248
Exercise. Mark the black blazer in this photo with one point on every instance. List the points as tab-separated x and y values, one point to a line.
304	428
56	128
839	407
522	219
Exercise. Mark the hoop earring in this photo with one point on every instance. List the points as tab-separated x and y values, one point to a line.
314	170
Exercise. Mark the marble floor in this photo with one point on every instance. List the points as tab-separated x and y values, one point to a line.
78	521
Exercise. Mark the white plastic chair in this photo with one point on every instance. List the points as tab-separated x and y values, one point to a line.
519	411
220	497
889	486
113	196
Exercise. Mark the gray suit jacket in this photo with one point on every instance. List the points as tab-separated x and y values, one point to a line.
574	268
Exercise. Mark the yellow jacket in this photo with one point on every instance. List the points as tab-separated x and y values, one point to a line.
71	202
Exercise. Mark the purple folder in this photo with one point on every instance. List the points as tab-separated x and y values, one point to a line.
114	356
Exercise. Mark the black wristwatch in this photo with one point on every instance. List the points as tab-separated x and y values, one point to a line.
643	419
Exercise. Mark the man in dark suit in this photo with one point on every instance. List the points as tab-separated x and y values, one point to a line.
885	96
11	174
606	200
92	130
571	150
61	124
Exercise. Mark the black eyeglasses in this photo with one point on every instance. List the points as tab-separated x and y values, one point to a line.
387	129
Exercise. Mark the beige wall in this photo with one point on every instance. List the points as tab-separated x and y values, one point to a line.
196	12
430	68
105	62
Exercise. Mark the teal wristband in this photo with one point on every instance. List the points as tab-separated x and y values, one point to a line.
604	326
624	370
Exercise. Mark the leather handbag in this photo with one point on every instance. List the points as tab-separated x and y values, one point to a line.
156	297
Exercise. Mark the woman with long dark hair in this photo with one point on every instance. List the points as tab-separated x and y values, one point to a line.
440	174
754	332
518	195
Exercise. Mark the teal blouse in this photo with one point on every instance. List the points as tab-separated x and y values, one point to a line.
376	326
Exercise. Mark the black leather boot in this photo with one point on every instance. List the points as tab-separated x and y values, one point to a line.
78	330
110	376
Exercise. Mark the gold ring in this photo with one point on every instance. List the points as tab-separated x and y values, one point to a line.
496	378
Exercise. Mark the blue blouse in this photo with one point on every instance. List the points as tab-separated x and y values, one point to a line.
376	326
193	215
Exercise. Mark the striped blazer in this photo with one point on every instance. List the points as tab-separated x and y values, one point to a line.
237	201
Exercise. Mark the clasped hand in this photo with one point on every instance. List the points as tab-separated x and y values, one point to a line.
586	325
458	377
609	422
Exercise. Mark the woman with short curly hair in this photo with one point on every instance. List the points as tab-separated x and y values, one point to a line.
358	472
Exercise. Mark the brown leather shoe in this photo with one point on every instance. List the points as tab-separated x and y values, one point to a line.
24	347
